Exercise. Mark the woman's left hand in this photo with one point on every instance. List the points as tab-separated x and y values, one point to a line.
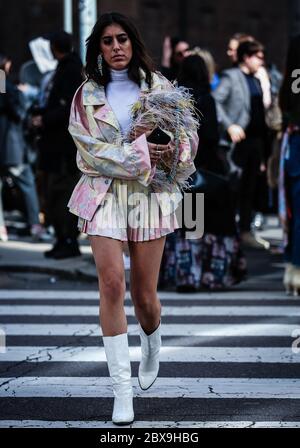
167	155
160	152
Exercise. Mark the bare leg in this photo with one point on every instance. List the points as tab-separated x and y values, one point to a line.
108	255
145	264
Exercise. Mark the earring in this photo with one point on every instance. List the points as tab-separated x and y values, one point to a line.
99	62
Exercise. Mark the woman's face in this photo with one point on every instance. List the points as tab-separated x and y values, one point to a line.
181	51
115	47
232	50
7	66
254	62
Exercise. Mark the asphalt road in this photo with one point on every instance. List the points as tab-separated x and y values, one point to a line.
227	358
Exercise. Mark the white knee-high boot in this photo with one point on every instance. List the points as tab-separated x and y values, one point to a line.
288	277
296	281
149	365
118	361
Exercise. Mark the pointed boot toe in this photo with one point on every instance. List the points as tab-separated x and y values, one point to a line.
123	413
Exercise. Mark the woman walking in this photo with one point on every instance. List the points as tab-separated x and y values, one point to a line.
289	198
119	165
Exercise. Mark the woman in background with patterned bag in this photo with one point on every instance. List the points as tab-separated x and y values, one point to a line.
214	261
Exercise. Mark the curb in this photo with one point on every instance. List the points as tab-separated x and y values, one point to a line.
61	273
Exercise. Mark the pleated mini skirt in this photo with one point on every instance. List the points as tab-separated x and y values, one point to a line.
129	212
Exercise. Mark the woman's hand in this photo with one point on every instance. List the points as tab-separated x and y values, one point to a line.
37	121
167	52
160	152
167	156
263	167
156	152
236	133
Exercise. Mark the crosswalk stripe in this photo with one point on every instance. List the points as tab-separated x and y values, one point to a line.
85	387
220	384
87	295
165	302
147	424
71	310
167	354
166	329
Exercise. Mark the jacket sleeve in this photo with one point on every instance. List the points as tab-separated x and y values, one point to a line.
221	95
188	148
127	161
97	157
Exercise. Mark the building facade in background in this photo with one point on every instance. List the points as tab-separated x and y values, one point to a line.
206	23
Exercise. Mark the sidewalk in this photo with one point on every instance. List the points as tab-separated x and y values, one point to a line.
20	254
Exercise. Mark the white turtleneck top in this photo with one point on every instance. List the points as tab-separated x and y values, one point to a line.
121	94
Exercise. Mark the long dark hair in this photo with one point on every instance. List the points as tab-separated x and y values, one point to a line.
248	48
194	74
140	57
290	101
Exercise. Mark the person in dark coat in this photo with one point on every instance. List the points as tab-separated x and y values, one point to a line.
215	260
14	161
57	150
241	112
289	177
219	219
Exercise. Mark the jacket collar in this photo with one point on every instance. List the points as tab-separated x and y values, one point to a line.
94	95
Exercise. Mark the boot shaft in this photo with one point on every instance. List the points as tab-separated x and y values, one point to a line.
118	362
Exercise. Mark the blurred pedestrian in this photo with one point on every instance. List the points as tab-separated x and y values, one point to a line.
46	64
215	260
214	78
116	168
57	150
233	45
174	51
241	113
266	189
290	167
14	161
263	200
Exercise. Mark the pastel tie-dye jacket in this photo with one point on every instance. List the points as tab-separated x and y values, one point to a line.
103	156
